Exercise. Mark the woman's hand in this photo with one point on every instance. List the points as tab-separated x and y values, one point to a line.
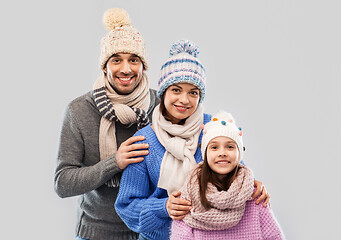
261	193
177	208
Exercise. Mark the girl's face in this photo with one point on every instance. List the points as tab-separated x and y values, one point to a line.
181	100
222	155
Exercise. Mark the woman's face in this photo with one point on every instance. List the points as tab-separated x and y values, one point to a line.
222	155
181	100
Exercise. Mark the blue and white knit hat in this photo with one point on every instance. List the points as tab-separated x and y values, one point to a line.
222	124
183	67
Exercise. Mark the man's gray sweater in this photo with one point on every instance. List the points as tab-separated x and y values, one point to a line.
79	170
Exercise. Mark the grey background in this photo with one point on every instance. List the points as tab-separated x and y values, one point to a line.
275	65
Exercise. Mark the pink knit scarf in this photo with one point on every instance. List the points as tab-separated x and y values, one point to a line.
228	206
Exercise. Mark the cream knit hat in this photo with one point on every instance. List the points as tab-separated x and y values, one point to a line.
222	124
121	38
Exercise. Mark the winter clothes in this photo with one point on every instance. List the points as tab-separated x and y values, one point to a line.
79	170
233	216
181	143
114	107
140	203
122	37
227	206
183	66
257	223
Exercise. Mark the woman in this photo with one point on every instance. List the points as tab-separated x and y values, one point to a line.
173	141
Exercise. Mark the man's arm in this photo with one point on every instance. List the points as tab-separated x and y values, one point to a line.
71	176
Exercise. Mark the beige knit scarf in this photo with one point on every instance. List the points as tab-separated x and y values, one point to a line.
126	109
228	206
180	142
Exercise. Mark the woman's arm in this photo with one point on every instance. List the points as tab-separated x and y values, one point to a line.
139	207
260	192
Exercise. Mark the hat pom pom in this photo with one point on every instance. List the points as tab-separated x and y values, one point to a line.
115	17
184	46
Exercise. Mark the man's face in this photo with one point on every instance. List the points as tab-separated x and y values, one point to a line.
124	72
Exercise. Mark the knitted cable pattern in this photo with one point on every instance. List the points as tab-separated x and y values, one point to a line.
227	206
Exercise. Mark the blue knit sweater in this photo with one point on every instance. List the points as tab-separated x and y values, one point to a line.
140	203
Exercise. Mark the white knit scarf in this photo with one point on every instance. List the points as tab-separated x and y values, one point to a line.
130	108
228	207
180	142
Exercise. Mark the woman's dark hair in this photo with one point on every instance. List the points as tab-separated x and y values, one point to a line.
206	175
162	106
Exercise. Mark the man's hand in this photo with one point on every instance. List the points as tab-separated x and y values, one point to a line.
128	152
177	208
261	193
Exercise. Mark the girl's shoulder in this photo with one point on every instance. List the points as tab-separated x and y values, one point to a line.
252	206
256	212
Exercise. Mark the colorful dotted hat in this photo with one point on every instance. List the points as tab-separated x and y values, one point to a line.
183	67
222	124
121	38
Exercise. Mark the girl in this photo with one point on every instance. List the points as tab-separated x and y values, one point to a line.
220	189
172	140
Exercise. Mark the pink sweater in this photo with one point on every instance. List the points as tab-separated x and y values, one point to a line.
257	223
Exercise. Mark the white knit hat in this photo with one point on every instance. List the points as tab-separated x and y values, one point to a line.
222	124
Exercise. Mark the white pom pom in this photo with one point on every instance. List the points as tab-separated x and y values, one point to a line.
115	17
184	46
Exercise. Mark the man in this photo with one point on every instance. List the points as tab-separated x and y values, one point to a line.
96	143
